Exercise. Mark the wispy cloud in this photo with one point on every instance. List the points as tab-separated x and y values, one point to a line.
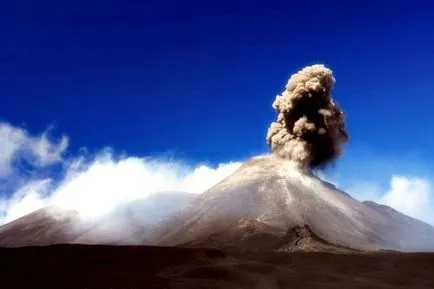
47	152
11	141
16	144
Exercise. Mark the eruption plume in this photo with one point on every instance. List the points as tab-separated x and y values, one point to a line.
310	127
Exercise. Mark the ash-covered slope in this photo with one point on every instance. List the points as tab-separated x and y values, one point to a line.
252	235
49	225
417	234
271	193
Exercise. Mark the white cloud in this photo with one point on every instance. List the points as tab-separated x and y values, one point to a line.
46	152
92	187
106	182
96	188
365	191
27	199
11	141
17	144
412	196
203	177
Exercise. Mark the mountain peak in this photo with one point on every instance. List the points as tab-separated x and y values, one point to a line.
271	194
48	225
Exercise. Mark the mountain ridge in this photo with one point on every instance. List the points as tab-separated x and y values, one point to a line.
255	208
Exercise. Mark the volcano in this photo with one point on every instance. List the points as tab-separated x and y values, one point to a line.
268	204
268	197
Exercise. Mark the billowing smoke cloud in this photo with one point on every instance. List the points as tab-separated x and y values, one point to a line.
310	127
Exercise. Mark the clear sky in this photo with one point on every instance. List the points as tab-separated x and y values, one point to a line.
196	79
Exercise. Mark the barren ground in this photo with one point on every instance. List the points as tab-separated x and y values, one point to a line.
81	266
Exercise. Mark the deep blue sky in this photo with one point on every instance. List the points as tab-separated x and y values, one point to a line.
197	78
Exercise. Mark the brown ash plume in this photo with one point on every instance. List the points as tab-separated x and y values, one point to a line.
310	126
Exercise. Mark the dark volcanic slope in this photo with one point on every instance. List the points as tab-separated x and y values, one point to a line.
104	267
273	194
46	226
249	235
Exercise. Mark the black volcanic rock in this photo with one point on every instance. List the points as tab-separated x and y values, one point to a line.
302	238
255	236
86	266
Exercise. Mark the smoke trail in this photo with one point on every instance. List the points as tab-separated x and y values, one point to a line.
310	127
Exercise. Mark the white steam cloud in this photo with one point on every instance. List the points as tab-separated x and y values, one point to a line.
26	199
93	187
97	188
410	195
